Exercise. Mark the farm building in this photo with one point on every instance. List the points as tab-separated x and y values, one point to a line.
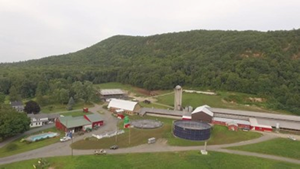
129	107
38	120
202	113
106	94
242	124
233	126
80	123
259	127
285	122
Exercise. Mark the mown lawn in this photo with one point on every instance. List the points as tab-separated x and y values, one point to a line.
75	114
280	147
17	146
220	135
188	160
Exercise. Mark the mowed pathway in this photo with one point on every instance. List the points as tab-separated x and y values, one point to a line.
63	149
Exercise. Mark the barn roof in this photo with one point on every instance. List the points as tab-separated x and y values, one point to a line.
94	117
104	92
226	120
71	122
204	109
122	104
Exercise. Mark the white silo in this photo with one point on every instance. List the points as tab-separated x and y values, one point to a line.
178	98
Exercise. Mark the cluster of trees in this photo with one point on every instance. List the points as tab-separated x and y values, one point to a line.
12	122
262	63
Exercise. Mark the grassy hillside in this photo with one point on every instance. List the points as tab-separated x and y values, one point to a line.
260	63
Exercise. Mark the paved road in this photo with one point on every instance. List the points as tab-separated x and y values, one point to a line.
63	149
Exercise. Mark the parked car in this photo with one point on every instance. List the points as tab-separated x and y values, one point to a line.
100	152
65	139
114	147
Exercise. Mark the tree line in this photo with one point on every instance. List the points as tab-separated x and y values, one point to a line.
262	63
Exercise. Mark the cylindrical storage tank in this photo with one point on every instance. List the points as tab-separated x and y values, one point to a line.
192	130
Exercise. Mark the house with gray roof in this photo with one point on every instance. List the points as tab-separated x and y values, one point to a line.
18	105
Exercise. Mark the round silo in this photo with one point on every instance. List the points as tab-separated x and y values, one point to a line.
178	98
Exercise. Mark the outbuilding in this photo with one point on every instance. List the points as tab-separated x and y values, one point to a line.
203	114
107	94
129	107
259	127
79	123
233	126
95	119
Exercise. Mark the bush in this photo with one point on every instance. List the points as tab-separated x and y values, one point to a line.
11	147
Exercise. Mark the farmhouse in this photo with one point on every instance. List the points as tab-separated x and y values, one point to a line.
106	94
80	123
38	120
129	107
17	105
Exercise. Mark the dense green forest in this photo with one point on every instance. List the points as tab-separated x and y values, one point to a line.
262	63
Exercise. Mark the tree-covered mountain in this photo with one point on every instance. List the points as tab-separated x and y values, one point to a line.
262	63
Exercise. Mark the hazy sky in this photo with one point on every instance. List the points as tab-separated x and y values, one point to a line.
31	29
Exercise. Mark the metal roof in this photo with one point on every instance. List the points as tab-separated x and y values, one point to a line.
94	117
256	114
122	104
71	122
204	109
161	111
42	115
111	92
226	120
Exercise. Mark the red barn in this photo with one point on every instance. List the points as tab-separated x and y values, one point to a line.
95	119
233	126
259	127
80	123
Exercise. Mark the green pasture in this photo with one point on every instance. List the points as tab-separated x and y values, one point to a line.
280	147
187	159
133	137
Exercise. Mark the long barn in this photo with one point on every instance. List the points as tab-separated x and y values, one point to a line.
260	120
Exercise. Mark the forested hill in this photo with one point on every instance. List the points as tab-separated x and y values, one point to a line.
263	63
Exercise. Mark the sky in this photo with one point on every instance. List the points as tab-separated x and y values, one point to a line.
33	29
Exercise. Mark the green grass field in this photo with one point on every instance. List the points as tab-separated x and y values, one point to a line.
54	108
280	147
17	146
75	114
220	135
195	100
188	160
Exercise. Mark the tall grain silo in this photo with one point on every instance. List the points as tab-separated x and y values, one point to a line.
178	98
